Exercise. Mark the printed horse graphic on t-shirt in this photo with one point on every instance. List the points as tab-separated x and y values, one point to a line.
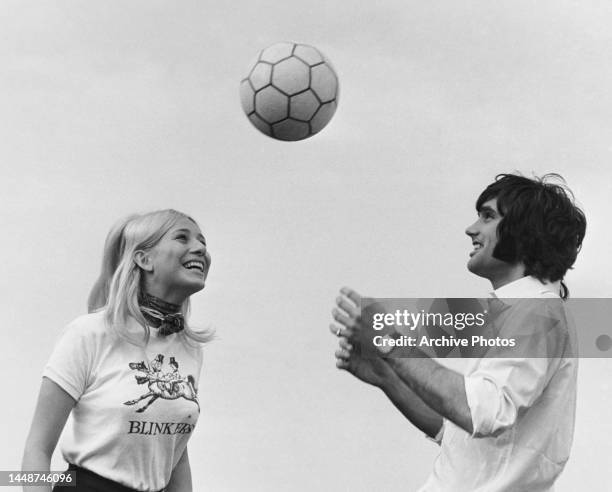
169	385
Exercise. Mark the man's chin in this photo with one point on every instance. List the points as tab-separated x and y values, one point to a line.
475	268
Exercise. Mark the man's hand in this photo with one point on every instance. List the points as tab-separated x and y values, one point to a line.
376	370
349	331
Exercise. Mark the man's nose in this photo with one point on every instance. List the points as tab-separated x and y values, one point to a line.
472	229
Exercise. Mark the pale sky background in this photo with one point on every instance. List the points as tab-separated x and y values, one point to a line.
114	107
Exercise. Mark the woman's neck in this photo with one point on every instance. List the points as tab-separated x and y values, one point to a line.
160	305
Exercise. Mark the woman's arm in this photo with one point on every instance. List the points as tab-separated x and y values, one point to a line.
52	410
180	481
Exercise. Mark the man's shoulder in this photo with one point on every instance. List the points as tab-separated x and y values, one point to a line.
547	307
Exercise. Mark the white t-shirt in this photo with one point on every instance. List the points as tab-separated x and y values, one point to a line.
523	409
136	405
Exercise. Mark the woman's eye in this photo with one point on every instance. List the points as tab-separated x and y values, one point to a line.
181	237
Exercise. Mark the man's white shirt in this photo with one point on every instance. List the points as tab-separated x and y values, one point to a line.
523	410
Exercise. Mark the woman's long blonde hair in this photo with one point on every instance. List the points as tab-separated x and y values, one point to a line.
119	285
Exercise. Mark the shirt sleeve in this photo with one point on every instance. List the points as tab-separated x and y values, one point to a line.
508	380
70	363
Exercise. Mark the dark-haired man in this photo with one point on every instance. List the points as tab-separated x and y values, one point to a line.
506	423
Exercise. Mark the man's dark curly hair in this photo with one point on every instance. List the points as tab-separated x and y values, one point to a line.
541	225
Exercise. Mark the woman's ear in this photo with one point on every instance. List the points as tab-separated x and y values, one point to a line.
143	260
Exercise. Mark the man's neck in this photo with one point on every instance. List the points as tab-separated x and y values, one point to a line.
508	275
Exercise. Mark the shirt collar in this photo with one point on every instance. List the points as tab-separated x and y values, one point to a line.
528	287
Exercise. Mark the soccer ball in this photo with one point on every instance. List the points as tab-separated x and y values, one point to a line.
290	92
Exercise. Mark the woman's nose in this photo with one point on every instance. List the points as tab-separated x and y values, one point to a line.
198	247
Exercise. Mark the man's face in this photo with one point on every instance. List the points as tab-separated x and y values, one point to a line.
483	233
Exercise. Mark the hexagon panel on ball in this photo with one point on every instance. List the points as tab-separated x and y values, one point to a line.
290	92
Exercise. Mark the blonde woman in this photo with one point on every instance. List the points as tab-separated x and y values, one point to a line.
128	371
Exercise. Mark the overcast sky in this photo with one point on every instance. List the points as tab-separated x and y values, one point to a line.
110	108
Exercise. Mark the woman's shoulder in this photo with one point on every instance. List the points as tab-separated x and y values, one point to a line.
89	324
89	320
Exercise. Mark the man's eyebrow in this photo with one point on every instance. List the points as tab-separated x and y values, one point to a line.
486	208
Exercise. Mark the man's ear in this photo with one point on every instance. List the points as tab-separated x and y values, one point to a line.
143	260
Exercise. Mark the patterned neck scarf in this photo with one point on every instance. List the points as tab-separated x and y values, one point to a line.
161	314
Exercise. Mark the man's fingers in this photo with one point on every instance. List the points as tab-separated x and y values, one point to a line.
335	329
342	318
345	344
347	307
340	331
342	354
342	364
348	310
352	295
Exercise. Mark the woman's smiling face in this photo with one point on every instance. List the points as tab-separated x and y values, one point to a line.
178	263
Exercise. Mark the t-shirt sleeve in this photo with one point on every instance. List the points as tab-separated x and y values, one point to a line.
70	363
